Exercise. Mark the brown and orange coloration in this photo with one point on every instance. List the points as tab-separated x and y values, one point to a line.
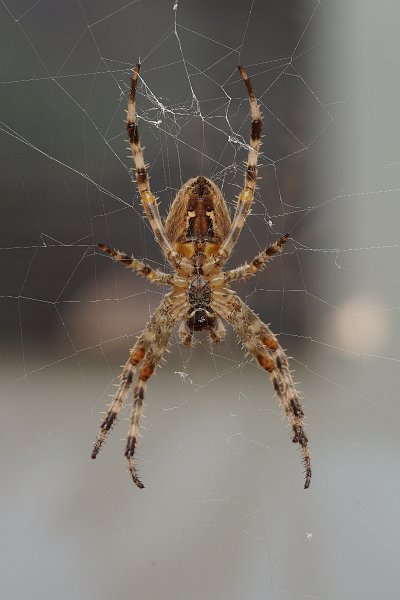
197	238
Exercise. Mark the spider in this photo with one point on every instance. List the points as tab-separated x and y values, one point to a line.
197	238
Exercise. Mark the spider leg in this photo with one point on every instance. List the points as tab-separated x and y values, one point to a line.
245	198
138	398
134	424
155	335
152	358
258	263
154	275
148	199
262	344
116	405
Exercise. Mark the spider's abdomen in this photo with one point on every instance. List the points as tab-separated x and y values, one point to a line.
200	320
198	220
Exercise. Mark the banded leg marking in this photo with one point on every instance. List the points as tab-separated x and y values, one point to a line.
255	142
142	179
134	423
245	198
258	263
152	359
155	338
152	342
262	344
114	408
154	275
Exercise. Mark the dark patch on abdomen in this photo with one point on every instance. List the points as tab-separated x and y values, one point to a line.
200	227
200	321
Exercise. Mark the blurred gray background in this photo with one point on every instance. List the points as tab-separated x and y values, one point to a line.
223	514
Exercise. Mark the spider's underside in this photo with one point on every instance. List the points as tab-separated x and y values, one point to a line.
197	238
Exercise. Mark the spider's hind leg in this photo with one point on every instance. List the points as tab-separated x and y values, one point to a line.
117	403
150	363
262	344
147	352
155	337
133	434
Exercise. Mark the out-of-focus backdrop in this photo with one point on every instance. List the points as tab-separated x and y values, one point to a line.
223	515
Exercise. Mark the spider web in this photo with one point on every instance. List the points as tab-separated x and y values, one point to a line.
223	514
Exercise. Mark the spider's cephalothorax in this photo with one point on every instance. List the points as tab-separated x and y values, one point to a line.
197	238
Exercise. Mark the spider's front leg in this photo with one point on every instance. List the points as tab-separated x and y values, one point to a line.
148	199
245	198
262	344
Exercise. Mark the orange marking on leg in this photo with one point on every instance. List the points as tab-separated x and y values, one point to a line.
147	371
137	356
265	362
270	343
